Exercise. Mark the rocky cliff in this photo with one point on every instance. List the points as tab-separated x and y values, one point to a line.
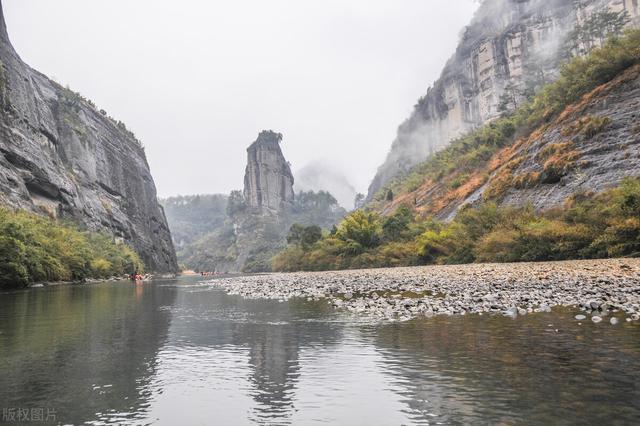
268	182
510	48
60	156
588	148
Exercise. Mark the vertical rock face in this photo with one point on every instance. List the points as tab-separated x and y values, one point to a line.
268	181
60	156
510	47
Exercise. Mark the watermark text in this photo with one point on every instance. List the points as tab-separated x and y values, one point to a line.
29	414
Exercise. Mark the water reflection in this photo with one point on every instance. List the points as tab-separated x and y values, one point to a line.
187	353
84	351
256	341
540	369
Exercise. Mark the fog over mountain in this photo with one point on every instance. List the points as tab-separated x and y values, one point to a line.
322	175
195	80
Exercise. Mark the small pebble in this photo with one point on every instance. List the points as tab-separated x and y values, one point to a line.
512	289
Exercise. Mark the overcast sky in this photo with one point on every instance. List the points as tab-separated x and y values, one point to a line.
197	80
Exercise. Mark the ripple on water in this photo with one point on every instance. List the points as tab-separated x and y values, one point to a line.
169	356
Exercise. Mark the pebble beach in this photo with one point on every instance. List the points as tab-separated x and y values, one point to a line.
604	290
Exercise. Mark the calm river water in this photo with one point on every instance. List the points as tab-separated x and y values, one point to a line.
179	352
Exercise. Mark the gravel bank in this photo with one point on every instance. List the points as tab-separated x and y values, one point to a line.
598	287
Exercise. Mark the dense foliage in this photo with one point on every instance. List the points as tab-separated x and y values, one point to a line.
35	248
587	226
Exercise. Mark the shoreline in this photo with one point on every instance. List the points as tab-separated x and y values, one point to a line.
42	284
601	288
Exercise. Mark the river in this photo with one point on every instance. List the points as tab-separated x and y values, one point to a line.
181	352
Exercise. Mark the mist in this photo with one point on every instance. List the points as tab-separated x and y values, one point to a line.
197	81
322	175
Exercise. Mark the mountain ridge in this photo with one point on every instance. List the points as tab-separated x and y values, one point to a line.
510	49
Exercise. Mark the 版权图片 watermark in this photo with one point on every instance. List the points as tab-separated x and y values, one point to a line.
31	414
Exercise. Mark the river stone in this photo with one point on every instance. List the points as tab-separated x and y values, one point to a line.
580	317
456	287
613	320
596	319
489	297
511	312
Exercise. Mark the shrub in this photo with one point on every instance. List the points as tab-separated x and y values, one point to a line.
359	230
450	244
395	227
502	180
559	159
304	236
13	261
590	126
34	248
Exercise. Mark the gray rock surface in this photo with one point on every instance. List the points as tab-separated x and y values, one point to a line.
603	159
509	45
268	181
61	157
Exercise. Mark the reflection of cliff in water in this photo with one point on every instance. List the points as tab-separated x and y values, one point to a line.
447	366
89	347
274	334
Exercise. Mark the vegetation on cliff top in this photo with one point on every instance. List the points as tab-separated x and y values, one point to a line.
35	248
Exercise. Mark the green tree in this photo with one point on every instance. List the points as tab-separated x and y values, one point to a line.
304	236
236	203
13	259
594	31
396	226
360	230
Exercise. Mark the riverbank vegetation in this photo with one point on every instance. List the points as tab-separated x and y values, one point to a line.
587	226
35	248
